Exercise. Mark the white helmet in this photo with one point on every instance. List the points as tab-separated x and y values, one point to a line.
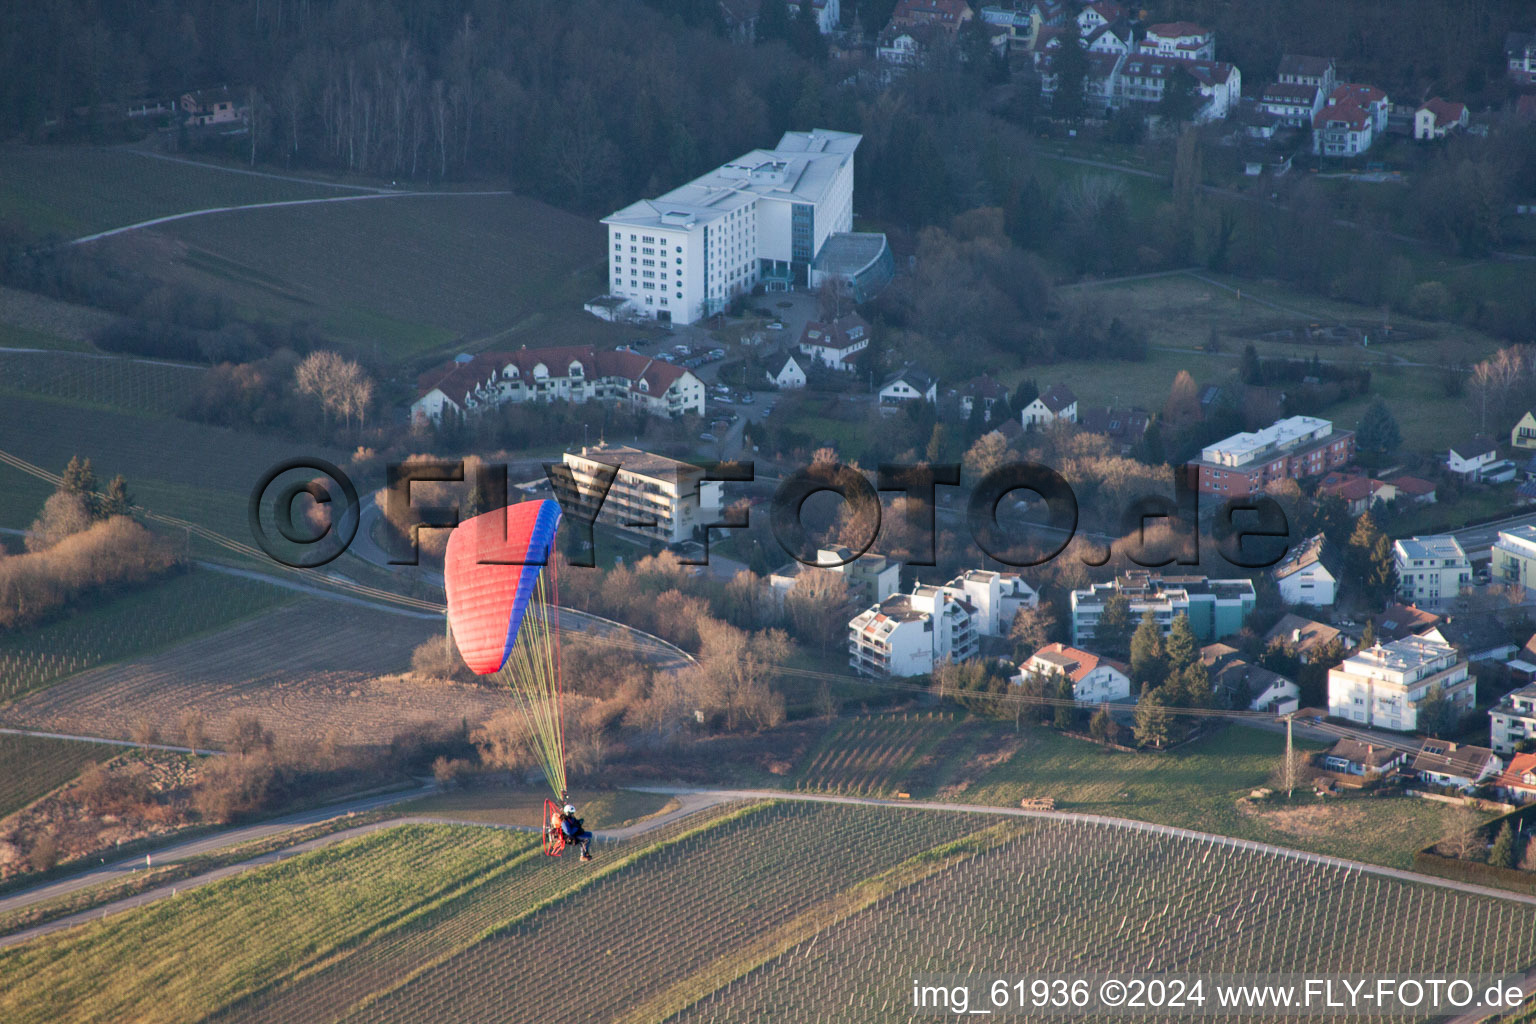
570	808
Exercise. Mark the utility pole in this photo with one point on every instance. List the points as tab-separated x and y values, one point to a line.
1290	762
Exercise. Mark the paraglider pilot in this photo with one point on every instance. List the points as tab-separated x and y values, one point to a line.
571	828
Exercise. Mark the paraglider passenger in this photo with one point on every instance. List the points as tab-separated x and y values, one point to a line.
571	828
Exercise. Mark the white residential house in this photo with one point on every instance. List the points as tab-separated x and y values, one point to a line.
1437	118
651	496
1513	558
1383	686
471	385
1342	130
996	596
1294	104
1097	15
1056	405
836	345
1242	684
1144	77
870	578
912	634
826	12
1182	39
1359	757
1304	577
1430	568
910	385
789	377
1094	679
760	219
1457	765
1469	458
1513	719
983	389
1318	72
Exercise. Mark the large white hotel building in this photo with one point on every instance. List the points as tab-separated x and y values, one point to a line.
763	217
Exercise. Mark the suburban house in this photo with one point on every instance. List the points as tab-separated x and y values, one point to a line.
914	22
1295	105
789	376
1241	684
1126	427
1470	457
1514	556
825	12
1383	686
1216	608
1304	576
983	389
1100	14
1430	568
1517	782
870	578
1318	72
759	219
652	496
996	597
835	345
1357	491
204	107
1396	621
1094	679
1183	39
1520	55
1437	118
1475	637
1414	489
1293	448
1021	25
1351	120
912	634
898	46
470	385
1357	757
911	384
1056	405
1443	763
1523	434
1513	719
1144	78
1305	638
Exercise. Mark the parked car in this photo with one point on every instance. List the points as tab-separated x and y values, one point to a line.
775	325
748	398
707	436
724	399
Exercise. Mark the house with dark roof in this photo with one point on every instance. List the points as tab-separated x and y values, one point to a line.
572	373
1318	72
1240	684
1295	104
1359	757
984	389
1475	637
1144	78
1459	766
1414	489
1305	638
1057	404
835	345
1396	621
1469	457
910	384
1125	427
1308	574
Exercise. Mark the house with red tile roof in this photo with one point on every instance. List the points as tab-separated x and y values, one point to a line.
1437	118
471	385
1094	679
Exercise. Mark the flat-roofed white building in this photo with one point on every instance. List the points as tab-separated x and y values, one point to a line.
1514	556
1384	686
762	217
1430	568
652	496
1292	448
912	634
996	596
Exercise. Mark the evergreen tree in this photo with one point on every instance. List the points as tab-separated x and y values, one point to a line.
118	501
1148	664
1152	451
773	22
79	478
1182	647
1061	714
1503	854
1437	715
1368	558
1026	392
1113	633
1100	724
1153	722
1195	686
1070	66
1250	370
1377	431
1368	635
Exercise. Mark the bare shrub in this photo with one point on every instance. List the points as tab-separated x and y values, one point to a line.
194	730
44	854
438	658
248	735
113	552
450	772
145	731
233	787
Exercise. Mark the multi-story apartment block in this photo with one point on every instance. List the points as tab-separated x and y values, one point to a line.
1430	568
1514	556
1385	685
652	496
912	634
1216	608
1513	720
1183	39
996	596
576	373
1292	448
870	578
763	217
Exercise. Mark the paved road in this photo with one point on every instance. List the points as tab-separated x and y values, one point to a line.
114	743
155	221
1478	541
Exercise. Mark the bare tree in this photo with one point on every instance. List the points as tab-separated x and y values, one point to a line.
341	386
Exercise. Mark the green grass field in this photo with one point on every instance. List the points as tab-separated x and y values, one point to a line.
78	190
115	384
32	766
396	277
1198	786
135	622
